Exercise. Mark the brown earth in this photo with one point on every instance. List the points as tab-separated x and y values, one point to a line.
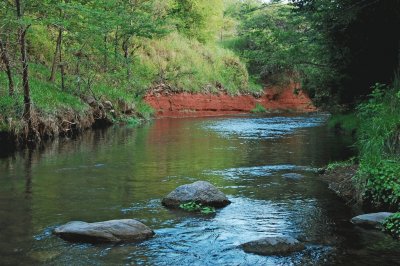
185	104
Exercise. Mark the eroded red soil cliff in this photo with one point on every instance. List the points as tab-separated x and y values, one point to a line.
186	104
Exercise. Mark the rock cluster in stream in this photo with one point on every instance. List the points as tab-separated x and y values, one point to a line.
129	230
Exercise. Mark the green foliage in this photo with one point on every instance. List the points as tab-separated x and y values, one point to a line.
116	51
143	109
380	124
259	109
379	147
199	19
276	43
392	225
197	207
382	182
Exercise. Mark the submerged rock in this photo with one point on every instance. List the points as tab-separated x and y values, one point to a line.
371	219
126	230
199	192
273	246
293	176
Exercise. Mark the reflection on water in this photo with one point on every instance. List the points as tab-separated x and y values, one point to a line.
264	164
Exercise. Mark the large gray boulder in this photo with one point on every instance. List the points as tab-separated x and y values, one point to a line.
200	192
371	219
126	230
268	246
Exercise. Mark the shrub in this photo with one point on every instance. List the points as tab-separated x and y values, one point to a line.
382	182
392	225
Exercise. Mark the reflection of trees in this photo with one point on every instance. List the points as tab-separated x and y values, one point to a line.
28	173
16	228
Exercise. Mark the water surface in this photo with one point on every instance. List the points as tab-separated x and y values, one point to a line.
264	164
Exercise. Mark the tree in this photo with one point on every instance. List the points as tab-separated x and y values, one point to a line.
5	28
24	59
277	43
361	40
200	19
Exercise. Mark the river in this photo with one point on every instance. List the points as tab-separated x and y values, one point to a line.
265	165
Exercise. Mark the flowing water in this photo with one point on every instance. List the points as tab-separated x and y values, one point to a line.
264	164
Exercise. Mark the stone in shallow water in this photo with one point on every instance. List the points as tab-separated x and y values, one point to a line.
371	219
282	245
125	230
200	192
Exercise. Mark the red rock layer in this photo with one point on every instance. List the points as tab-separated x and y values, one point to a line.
197	104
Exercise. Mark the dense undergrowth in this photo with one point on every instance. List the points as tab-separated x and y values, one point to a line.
377	126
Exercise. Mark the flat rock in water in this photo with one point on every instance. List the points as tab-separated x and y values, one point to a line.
199	192
126	230
371	219
273	246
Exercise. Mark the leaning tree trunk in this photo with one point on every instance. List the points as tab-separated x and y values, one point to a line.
125	48
24	62
6	61
25	74
62	71
58	51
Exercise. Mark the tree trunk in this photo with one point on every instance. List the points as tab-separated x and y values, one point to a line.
24	62
6	61
58	51
25	74
116	43
62	72
125	48
105	53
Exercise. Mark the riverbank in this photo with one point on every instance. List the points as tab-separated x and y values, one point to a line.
288	98
340	180
102	111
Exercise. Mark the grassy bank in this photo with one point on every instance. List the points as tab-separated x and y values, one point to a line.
98	93
377	178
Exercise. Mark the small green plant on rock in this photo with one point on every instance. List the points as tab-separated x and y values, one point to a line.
197	207
259	109
334	165
392	225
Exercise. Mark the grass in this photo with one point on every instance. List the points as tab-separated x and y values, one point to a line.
348	123
188	65
392	225
378	143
